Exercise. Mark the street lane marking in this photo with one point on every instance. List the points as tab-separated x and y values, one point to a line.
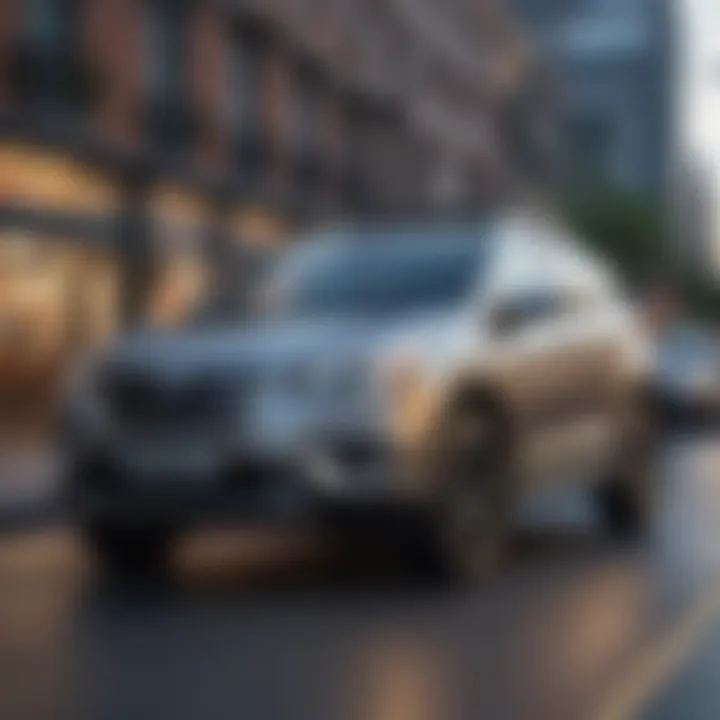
663	660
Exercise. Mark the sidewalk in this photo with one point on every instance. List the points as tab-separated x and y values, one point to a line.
28	486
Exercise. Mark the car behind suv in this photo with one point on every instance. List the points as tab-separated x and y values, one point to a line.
434	374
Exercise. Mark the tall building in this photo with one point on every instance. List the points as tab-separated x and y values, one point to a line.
613	61
694	218
697	148
141	140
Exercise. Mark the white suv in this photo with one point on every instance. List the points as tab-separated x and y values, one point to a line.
433	373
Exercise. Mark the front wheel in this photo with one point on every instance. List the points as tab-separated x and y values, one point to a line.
466	537
129	551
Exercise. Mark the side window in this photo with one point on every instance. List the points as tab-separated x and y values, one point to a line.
526	309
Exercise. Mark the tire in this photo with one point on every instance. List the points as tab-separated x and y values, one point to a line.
465	538
627	498
129	551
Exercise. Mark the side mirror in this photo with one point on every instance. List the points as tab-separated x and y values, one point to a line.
506	317
513	314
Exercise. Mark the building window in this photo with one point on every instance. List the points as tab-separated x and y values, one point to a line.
305	114
172	122
48	73
247	65
592	138
51	24
356	156
306	141
167	49
246	92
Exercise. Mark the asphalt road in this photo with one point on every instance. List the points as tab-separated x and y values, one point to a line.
274	627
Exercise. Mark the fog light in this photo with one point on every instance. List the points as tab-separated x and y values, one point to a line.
322	468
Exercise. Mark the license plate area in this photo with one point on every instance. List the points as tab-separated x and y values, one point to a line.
170	458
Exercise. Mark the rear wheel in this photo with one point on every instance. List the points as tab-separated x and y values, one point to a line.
627	498
130	551
466	537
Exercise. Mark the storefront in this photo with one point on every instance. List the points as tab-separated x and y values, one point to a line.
182	271
60	272
185	274
58	278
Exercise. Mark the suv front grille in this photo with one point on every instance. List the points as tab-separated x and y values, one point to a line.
137	400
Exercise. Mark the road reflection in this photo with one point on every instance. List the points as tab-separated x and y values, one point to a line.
689	529
276	626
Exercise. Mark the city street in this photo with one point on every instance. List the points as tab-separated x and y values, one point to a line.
256	626
270	258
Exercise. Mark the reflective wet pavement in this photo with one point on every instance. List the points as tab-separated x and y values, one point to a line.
257	626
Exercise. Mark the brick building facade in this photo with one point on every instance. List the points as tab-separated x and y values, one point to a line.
136	135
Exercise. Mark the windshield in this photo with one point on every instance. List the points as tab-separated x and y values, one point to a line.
374	278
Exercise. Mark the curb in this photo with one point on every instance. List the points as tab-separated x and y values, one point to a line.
31	515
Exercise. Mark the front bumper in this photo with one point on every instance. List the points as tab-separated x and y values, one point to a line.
99	487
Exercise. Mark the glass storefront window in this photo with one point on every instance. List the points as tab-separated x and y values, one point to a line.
179	288
57	299
181	273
